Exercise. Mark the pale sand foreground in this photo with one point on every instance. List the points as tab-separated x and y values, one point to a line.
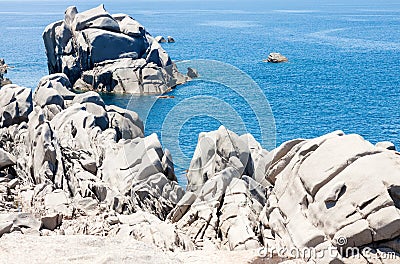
16	248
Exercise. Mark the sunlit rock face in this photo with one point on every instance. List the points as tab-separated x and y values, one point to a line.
108	53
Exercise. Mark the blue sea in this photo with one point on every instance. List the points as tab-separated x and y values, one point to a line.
343	70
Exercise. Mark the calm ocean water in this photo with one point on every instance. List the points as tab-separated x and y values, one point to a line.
343	70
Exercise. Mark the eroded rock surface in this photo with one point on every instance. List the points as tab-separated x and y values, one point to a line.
74	166
108	53
223	202
71	165
275	57
335	191
306	194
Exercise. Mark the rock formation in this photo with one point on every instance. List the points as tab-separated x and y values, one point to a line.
76	166
386	144
333	191
3	70
276	58
192	73
71	165
170	39
160	39
306	194
108	53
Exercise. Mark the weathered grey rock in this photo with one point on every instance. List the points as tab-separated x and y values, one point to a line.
99	113
113	220
6	159
93	18
142	176
51	221
239	218
73	127
223	204
43	151
386	145
105	53
15	104
127	123
131	27
134	76
63	166
168	166
158	55
330	188
5	227
87	205
216	151
59	82
118	44
261	159
43	97
51	91
148	228
160	39
49	38
192	73
223	213
89	164
26	221
276	58
13	183
95	106
182	207
69	15
57	202
3	70
170	39
88	97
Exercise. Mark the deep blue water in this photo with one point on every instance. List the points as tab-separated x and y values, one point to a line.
343	70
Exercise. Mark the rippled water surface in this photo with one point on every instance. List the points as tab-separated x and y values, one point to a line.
343	70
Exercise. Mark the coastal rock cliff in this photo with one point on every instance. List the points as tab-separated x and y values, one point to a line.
336	191
76	166
329	194
108	53
71	165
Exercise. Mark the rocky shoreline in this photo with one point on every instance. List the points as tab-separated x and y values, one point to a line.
80	179
80	167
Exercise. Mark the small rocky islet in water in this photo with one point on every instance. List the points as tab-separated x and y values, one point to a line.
3	70
72	165
276	57
109	53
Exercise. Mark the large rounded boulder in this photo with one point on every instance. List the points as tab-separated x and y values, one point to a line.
108	53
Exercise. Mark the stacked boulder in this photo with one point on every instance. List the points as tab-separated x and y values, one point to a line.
336	191
74	165
69	164
327	195
222	204
109	53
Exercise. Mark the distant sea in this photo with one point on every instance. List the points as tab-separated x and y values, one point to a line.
343	70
